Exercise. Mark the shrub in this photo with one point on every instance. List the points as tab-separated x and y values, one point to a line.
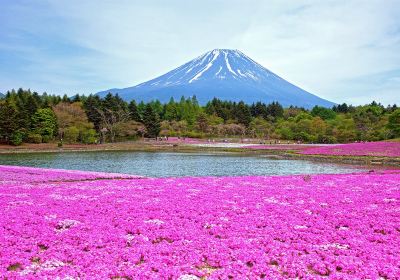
71	134
16	138
89	136
193	134
46	138
34	138
304	136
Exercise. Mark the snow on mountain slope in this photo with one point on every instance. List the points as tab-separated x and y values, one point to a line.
225	74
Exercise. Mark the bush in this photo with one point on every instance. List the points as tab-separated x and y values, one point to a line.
304	136
16	138
89	136
285	133
46	138
71	134
326	139
34	138
193	134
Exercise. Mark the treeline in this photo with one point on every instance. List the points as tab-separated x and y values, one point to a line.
27	116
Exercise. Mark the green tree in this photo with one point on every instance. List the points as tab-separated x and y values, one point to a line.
341	108
394	123
71	117
260	128
243	114
367	119
89	136
171	111
8	124
323	113
151	121
44	122
16	138
134	112
275	110
92	105
70	134
202	122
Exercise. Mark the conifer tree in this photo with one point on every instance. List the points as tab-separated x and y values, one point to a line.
151	121
134	112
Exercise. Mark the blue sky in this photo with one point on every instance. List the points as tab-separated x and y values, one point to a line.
344	51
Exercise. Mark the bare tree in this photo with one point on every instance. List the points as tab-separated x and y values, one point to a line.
110	120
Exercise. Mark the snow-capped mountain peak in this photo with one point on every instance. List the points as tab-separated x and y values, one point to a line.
215	64
225	74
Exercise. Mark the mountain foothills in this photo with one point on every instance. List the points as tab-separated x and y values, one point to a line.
27	116
224	74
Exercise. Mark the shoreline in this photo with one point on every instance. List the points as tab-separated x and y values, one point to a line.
142	146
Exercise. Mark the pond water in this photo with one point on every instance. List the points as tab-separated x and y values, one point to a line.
163	164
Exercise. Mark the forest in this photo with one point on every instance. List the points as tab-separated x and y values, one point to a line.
30	117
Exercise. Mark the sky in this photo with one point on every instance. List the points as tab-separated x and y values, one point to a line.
343	51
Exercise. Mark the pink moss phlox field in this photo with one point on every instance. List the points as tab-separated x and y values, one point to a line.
313	226
294	147
381	149
186	140
9	174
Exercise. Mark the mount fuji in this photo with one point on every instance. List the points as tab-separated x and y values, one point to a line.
224	74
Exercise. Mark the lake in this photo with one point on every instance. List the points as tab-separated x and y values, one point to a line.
166	164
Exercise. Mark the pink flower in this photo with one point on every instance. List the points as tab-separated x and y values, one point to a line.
59	224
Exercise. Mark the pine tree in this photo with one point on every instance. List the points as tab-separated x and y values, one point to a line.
65	99
44	122
134	112
8	124
171	111
151	121
243	114
202	122
91	105
275	110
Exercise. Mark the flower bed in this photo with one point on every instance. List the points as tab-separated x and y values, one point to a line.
379	149
285	147
19	174
342	226
183	140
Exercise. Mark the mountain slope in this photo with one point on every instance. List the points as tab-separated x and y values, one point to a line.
225	74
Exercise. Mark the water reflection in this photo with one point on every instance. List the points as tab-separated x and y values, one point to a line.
161	164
